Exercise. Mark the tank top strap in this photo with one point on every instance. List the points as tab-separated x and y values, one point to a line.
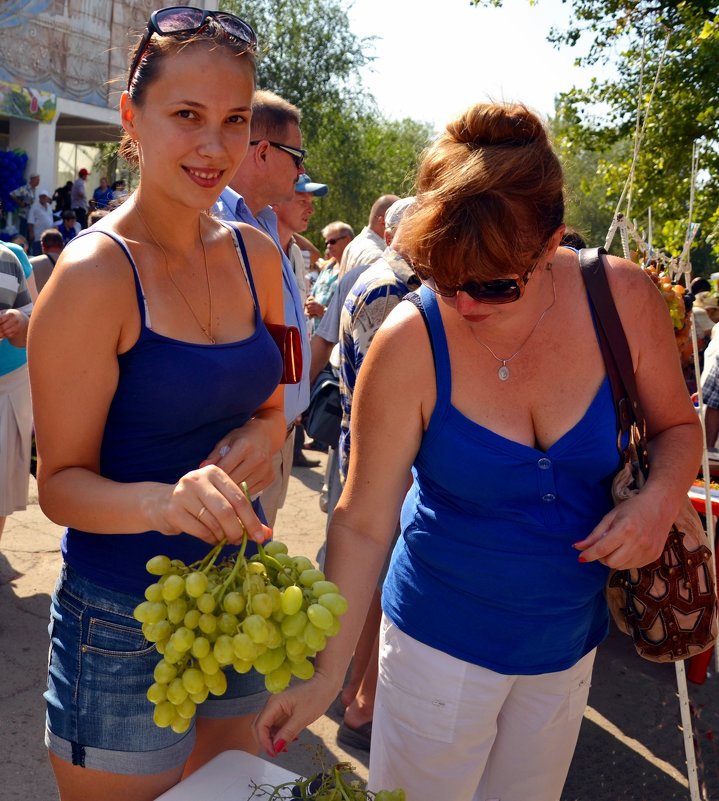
139	291
245	262
440	350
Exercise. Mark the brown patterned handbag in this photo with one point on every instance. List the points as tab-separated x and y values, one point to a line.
669	606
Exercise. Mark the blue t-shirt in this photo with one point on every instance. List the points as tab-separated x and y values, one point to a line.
102	197
174	401
485	569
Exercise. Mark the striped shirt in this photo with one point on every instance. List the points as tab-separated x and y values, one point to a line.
14	294
376	292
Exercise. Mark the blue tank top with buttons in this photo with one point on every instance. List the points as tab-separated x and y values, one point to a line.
484	569
174	401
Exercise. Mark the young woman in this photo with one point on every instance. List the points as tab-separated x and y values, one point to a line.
494	395
155	388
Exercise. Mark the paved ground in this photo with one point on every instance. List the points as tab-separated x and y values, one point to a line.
630	746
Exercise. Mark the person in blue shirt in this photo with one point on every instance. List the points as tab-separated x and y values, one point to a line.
155	385
268	175
488	396
102	195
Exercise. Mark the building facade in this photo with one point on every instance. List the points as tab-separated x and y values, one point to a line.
62	71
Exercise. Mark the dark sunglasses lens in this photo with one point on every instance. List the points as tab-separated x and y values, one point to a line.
178	18
500	291
237	28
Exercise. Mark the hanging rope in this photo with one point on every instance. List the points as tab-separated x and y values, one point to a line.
638	134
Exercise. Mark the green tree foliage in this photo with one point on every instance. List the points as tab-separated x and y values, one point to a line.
631	36
310	56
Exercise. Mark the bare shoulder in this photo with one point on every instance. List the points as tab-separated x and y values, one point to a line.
401	350
94	261
93	278
258	244
404	332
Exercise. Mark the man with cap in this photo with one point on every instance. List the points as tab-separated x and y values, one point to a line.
23	197
266	176
293	219
39	218
78	198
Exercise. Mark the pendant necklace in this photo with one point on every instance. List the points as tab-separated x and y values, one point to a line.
207	331
503	372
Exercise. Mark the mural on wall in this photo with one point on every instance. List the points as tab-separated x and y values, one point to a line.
76	49
28	104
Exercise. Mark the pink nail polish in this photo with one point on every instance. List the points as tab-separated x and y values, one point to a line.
279	746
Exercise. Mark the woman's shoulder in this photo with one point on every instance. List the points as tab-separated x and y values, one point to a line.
253	238
97	261
403	337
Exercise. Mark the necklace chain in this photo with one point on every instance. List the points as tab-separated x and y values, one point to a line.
207	331
503	372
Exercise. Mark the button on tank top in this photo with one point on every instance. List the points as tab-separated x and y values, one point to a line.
174	401
484	569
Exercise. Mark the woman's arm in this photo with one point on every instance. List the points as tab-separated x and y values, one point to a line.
83	319
386	435
251	447
633	534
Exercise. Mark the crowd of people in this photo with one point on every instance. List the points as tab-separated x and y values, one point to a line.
470	520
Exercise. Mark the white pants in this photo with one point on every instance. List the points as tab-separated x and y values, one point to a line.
447	729
15	440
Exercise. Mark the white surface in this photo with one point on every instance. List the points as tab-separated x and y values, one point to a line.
227	777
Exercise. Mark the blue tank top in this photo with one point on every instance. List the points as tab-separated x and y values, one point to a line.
484	569
174	401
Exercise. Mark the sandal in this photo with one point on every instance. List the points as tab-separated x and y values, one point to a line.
355	738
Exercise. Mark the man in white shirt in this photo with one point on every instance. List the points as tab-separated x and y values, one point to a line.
39	219
369	244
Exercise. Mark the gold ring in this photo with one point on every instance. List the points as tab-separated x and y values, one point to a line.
201	512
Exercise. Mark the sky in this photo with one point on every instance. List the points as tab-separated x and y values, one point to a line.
436	57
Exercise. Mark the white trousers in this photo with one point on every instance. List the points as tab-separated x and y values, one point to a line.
447	729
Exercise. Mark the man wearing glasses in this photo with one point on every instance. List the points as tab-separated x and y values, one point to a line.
268	176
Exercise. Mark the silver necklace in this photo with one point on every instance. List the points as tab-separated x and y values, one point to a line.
503	372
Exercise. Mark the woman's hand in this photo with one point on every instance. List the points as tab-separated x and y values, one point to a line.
245	455
209	505
630	535
285	715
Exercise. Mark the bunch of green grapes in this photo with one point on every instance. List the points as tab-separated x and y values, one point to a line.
272	612
328	785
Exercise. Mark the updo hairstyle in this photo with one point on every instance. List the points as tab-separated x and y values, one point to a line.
489	197
160	47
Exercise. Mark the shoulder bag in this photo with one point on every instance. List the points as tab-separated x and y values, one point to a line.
669	606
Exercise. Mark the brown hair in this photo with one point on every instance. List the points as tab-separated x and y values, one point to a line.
156	50
489	196
272	115
51	238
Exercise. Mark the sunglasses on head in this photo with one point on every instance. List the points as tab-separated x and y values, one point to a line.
185	21
335	240
497	291
297	153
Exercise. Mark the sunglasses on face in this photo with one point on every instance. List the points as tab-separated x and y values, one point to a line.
297	153
335	240
498	291
185	21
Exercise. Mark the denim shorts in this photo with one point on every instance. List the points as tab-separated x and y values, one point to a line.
99	669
